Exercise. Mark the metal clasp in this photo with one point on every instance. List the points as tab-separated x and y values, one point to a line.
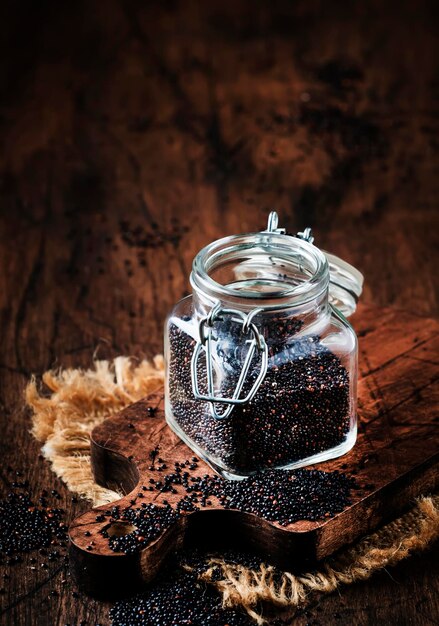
205	343
306	235
272	224
272	227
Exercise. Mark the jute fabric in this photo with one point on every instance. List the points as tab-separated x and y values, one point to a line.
68	403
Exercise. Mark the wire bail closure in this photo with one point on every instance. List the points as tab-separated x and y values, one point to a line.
272	227
257	342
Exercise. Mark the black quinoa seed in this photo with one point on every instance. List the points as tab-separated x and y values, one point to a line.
289	496
178	597
175	602
25	526
281	496
150	521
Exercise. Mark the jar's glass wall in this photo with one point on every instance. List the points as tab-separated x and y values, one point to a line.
303	412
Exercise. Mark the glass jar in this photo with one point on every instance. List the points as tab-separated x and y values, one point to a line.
261	367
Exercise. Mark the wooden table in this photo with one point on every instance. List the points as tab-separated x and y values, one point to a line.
134	133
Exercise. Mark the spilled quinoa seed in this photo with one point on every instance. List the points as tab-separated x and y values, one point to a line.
280	496
178	601
27	524
178	597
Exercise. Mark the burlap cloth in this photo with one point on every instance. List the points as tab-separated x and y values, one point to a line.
71	402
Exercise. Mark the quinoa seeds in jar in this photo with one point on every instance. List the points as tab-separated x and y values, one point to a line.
261	368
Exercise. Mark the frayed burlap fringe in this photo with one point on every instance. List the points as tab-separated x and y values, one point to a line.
80	399
241	586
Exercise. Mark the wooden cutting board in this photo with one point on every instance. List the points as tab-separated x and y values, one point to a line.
396	458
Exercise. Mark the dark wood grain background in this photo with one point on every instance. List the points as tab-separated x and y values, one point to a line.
133	133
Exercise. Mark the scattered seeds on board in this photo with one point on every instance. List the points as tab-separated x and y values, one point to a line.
282	496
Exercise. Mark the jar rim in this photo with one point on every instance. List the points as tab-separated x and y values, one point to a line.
283	247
